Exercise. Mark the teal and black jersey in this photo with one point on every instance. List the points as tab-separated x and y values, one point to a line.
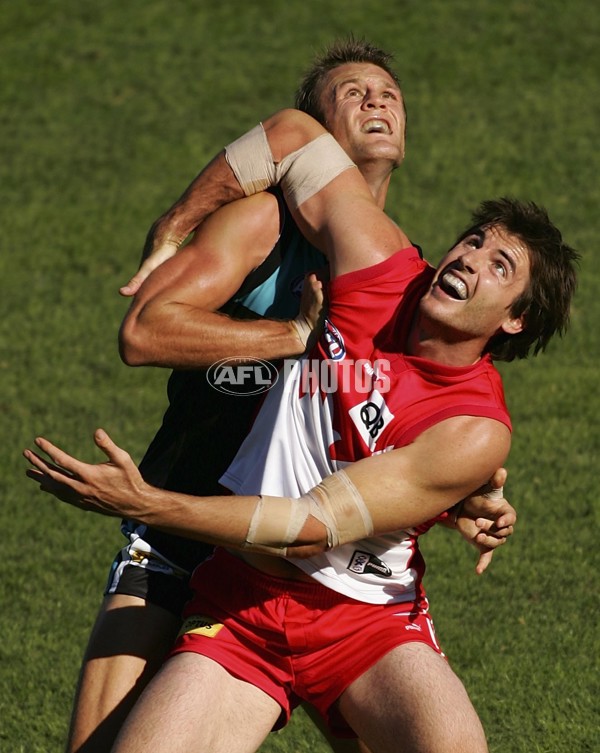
202	428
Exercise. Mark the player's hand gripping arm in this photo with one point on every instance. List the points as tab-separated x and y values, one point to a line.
380	494
215	186
173	319
209	190
485	519
294	150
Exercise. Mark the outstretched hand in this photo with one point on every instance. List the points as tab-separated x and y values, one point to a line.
486	519
110	488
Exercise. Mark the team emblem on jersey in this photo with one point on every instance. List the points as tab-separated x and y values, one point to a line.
364	563
371	417
335	341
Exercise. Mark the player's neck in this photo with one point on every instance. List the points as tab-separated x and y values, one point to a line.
377	174
445	347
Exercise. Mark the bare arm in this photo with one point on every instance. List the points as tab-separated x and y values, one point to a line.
342	219
173	320
210	189
400	488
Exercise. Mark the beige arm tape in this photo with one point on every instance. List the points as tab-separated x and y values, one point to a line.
302	173
336	502
303	328
276	522
251	160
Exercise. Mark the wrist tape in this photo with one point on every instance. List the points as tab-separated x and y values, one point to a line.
302	173
302	327
335	502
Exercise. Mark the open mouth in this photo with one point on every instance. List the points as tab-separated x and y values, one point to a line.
453	286
375	125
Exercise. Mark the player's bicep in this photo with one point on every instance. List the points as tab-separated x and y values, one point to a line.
410	485
224	250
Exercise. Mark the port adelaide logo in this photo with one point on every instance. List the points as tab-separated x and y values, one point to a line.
252	377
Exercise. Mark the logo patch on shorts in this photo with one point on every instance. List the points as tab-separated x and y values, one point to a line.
364	563
198	624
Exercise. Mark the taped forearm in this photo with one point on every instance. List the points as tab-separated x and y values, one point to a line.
335	502
301	174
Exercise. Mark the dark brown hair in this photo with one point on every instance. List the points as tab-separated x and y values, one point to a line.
546	303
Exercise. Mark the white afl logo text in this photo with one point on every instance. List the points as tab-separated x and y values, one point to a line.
335	341
249	378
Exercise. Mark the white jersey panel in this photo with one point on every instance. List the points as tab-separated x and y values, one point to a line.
286	455
376	570
287	451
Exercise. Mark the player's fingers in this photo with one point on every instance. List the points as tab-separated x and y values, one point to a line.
493	528
484	524
507	519
58	456
34	474
503	533
490	541
143	272
132	287
43	471
156	258
483	562
52	479
40	463
63	487
112	451
499	478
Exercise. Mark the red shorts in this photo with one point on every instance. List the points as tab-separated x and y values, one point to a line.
295	640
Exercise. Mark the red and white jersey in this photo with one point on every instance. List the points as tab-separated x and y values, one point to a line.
354	395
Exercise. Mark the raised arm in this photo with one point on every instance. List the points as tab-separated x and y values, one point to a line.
213	187
329	197
173	320
379	494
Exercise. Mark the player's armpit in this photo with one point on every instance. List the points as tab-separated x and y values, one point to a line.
413	484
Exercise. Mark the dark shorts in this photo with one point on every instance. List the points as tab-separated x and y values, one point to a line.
156	567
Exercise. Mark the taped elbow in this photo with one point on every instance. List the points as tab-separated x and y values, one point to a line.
331	514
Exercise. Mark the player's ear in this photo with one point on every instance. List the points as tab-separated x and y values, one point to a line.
514	326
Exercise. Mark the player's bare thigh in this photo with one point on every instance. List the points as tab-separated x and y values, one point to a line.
194	705
127	645
413	695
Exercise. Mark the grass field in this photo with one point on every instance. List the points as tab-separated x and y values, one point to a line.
108	110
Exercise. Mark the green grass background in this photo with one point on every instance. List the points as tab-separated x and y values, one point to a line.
108	109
